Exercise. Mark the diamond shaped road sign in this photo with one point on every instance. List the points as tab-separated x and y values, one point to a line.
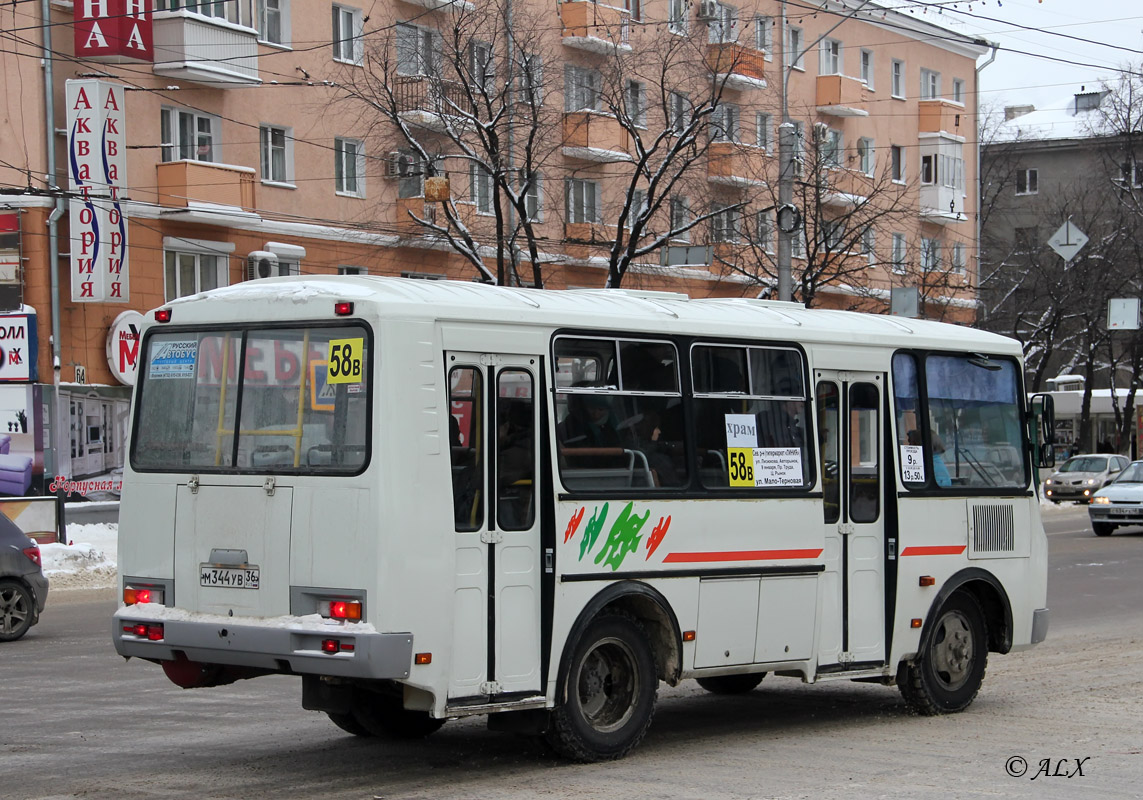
1067	241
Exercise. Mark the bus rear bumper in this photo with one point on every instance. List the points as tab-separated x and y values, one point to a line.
349	651
1039	625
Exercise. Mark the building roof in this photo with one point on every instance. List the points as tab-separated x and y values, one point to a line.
1059	120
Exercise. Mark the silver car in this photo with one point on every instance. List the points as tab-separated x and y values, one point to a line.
23	587
1080	477
1118	503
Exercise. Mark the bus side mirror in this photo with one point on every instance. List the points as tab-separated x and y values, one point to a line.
1043	408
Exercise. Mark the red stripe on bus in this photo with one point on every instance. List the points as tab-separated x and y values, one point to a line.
740	555
940	550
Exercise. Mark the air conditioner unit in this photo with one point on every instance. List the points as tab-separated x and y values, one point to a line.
261	264
400	165
821	130
707	10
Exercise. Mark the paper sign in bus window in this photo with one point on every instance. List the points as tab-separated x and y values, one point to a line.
741	430
172	359
346	360
912	463
778	466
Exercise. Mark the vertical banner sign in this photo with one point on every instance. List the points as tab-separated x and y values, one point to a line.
97	170
113	30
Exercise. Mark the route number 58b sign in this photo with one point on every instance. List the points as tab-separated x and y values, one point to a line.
345	360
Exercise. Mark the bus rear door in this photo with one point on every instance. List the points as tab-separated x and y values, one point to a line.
494	425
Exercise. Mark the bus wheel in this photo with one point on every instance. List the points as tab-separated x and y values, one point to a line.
946	676
348	723
1102	528
382	714
732	684
609	691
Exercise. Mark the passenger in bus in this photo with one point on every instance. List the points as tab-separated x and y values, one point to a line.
589	423
940	471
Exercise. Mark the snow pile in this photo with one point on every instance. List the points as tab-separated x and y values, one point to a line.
88	561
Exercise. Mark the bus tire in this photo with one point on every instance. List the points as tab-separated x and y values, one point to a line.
1102	528
383	714
732	684
608	695
348	723
946	675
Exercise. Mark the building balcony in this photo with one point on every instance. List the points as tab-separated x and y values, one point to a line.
591	136
199	49
846	188
842	96
189	184
943	116
737	67
941	205
596	28
426	101
434	5
735	165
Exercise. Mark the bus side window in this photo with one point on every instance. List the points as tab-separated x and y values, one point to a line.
466	407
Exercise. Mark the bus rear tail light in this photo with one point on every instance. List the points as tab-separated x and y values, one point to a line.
162	315
143	594
344	609
928	580
334	646
343	309
151	631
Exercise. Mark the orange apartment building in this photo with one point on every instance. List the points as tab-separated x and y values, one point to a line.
287	137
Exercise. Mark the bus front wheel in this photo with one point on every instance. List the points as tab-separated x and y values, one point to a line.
608	696
947	674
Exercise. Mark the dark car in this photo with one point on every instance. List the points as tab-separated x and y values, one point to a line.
23	587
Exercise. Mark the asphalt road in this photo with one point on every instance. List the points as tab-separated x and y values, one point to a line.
79	722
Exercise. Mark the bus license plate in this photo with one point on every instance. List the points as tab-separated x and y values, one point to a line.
228	577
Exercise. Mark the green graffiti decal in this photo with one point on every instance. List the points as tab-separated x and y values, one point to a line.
622	539
592	529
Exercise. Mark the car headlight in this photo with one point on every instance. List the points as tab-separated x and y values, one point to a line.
1091	481
1048	482
1100	501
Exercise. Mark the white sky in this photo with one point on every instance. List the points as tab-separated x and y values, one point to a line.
1114	29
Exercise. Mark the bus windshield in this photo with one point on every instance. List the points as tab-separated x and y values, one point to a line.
254	400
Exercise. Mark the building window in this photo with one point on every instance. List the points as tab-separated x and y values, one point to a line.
897	163
346	269
1132	174
581	88
1027	181
798	243
530	76
637	104
930	254
928	169
868	245
831	234
532	187
762	130
190	273
763	231
189	135
723	29
724	226
898	254
897	84
229	10
679	113
830	57
638	204
349	167
634	8
677	16
764	35
277	154
865	155
958	91
959	260
418	50
347	35
724	122
680	218
583	201
867	68
930	84
480	188
794	43
480	66
274	21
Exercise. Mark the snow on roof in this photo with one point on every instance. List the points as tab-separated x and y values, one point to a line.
1059	120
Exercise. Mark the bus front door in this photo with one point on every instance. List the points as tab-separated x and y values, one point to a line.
851	425
495	447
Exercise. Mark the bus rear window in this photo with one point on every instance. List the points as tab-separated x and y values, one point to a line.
254	400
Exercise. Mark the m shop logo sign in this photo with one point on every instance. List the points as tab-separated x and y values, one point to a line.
113	30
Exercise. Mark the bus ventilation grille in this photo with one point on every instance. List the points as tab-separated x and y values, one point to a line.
993	528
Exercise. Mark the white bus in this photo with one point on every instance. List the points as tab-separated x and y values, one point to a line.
438	499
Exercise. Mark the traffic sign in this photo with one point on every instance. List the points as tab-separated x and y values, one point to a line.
1067	241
